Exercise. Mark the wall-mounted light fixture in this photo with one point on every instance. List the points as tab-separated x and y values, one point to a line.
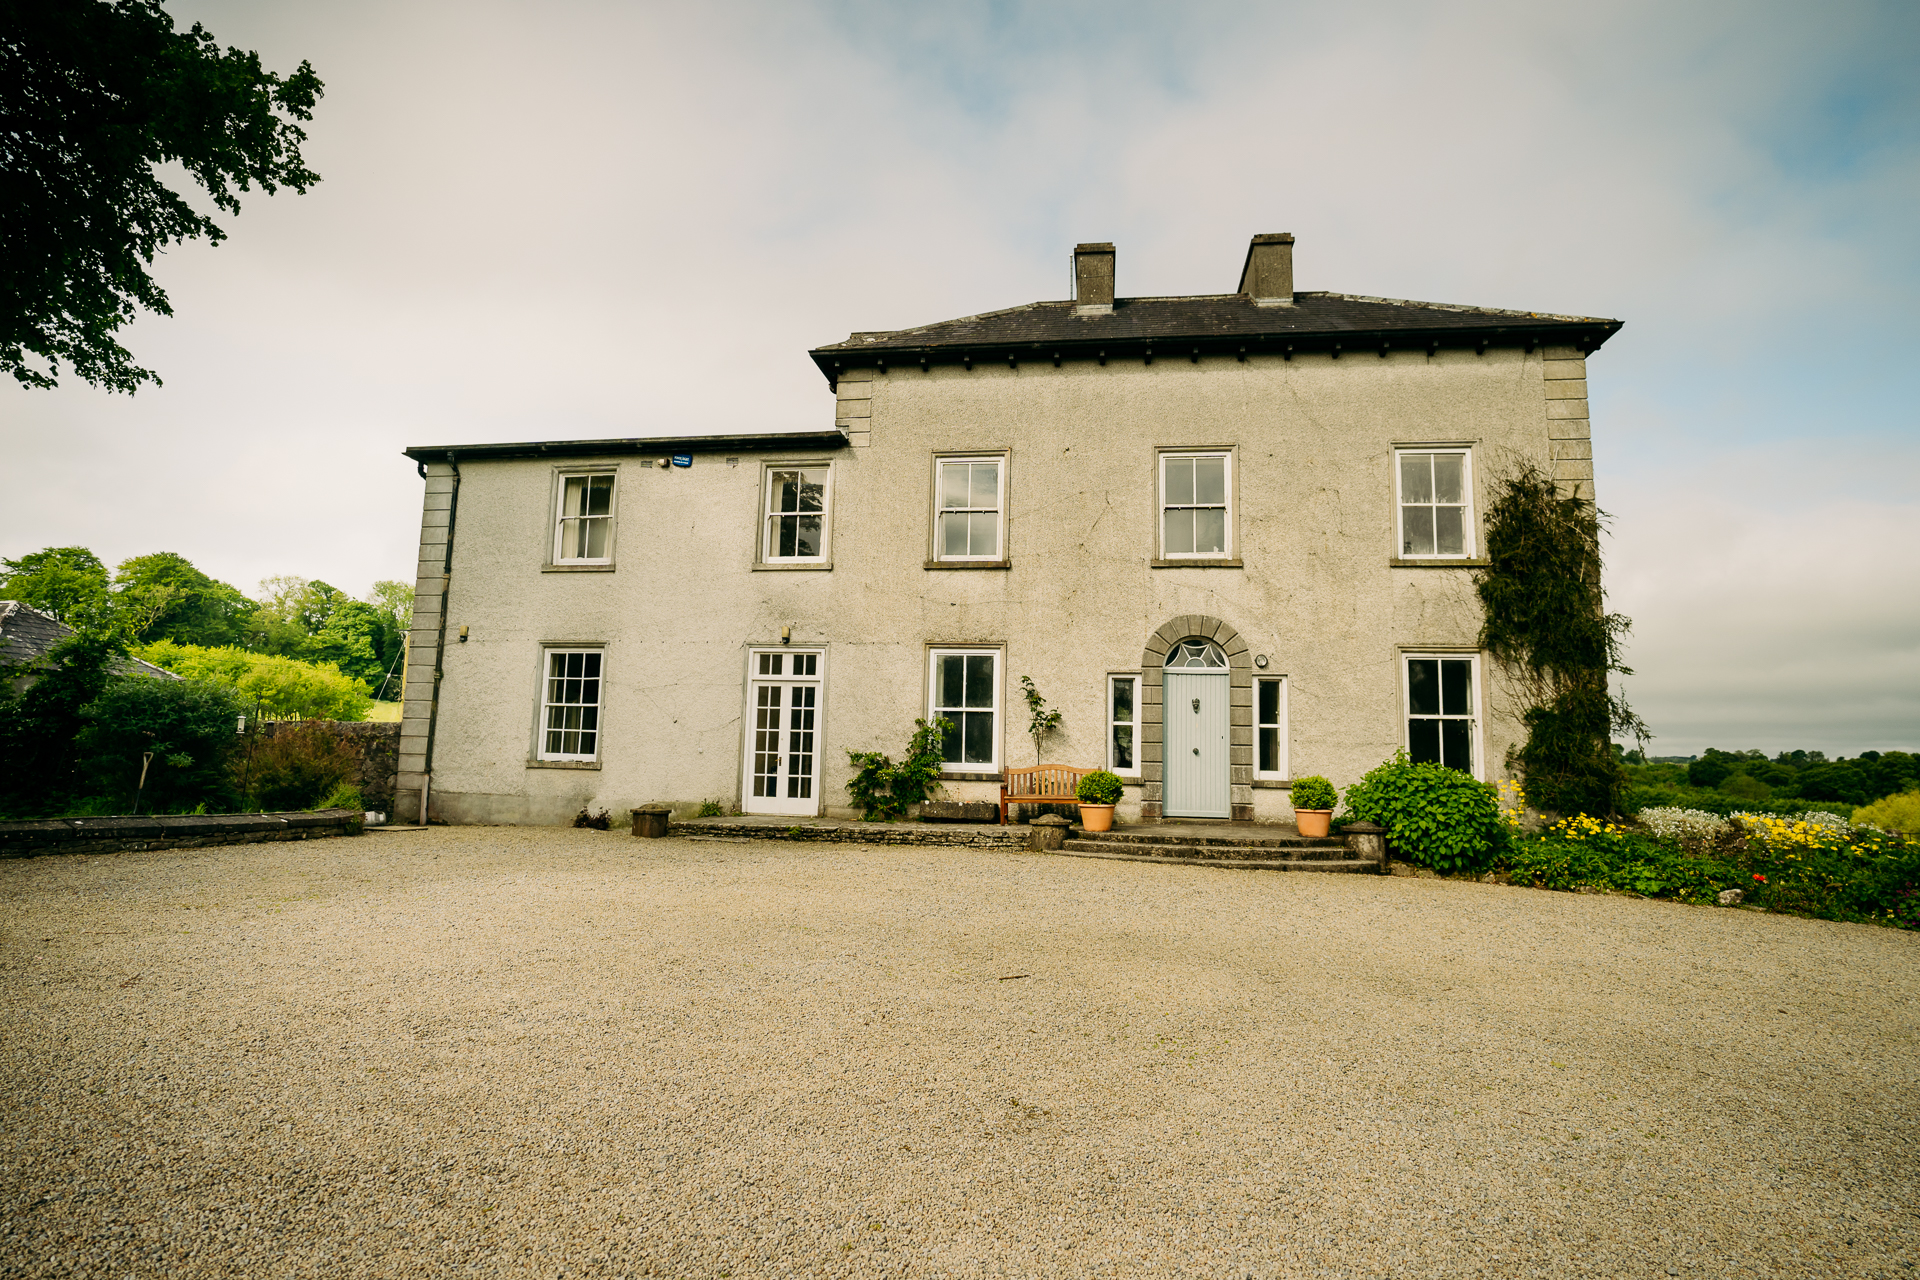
1261	661
463	635
786	636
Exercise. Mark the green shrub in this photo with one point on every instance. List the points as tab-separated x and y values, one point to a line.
1742	787
1313	792
1582	853
1894	813
282	687
1435	816
601	821
344	796
882	790
711	809
294	768
187	725
1803	868
1100	787
40	726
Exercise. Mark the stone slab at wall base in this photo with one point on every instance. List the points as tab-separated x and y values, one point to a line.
959	811
865	833
187	831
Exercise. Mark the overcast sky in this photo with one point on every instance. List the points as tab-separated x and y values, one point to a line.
569	220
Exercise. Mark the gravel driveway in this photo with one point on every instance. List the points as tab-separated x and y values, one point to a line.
500	1051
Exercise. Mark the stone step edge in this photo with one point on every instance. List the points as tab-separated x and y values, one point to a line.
1218	842
1361	866
1220	853
902	833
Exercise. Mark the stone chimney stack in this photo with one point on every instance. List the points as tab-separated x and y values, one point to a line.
1092	279
1268	276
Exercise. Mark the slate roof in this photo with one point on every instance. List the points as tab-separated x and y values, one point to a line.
1217	324
26	635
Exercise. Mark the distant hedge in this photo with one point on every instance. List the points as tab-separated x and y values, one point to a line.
1664	797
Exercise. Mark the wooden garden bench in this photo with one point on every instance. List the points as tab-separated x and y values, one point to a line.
1040	784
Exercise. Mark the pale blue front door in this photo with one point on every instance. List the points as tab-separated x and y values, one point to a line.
1196	765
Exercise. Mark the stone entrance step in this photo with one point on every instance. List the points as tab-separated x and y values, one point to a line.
1237	850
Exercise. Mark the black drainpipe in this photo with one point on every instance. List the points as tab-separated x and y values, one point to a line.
440	640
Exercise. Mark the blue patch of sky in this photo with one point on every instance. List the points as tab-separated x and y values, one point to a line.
987	57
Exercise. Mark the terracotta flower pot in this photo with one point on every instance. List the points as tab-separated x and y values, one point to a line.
1096	817
1313	822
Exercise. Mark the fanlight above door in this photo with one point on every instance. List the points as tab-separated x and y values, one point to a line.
1196	653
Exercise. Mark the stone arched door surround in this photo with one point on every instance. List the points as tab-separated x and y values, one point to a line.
1153	662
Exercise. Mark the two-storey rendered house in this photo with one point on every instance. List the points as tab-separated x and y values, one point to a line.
1230	536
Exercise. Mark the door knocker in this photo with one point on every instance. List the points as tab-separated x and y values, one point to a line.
1196	706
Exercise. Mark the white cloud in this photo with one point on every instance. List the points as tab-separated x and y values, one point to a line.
584	219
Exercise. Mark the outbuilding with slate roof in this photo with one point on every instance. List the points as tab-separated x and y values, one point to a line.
28	636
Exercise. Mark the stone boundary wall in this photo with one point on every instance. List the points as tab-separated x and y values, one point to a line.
375	745
187	831
864	833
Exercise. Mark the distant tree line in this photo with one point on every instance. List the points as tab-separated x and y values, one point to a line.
1789	775
161	598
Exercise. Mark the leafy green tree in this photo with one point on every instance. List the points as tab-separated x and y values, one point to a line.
350	639
190	727
40	725
1841	780
278	686
68	582
95	97
163	597
394	600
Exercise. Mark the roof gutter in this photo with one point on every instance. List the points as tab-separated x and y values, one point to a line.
662	446
1585	335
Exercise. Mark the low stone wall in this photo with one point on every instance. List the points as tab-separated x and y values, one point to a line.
187	831
862	833
375	745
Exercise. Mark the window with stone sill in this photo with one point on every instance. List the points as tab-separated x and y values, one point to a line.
969	509
571	692
965	691
1123	725
1196	508
1443	724
583	527
1270	728
794	524
1434	503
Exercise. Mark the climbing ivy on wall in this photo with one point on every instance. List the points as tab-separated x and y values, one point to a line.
1547	624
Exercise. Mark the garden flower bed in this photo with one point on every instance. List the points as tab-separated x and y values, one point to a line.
1813	864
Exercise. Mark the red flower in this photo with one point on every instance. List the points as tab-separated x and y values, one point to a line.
1762	879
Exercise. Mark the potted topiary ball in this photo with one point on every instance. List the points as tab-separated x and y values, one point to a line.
1313	801
1098	792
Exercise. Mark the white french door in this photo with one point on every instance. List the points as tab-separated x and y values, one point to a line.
785	696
